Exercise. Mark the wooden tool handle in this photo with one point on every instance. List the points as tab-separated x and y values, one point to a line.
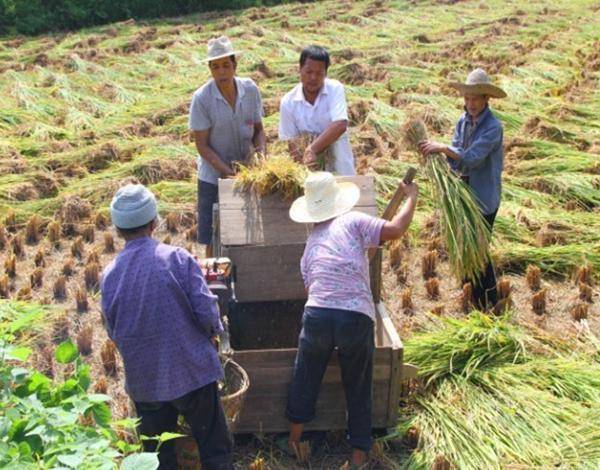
398	196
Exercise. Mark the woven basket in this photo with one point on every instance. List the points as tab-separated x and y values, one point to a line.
232	400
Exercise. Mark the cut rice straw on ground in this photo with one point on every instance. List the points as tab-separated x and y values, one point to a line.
465	231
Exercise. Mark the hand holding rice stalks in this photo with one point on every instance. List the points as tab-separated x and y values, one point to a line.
465	231
278	174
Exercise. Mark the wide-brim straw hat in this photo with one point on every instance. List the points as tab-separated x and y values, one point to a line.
324	198
479	83
220	47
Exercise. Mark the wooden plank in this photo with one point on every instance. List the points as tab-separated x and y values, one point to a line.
281	357
245	219
231	198
388	325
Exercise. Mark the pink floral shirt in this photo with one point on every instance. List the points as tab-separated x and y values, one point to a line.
334	266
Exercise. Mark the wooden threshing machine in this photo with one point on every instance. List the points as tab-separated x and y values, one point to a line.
265	306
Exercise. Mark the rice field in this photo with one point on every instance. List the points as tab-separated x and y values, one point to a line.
83	113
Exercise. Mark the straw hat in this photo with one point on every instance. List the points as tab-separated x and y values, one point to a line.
219	47
479	83
324	198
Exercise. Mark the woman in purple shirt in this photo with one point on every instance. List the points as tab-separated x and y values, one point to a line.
339	312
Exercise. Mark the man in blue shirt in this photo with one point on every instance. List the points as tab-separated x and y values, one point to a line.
161	315
476	154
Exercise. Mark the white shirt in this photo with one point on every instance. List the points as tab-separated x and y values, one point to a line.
298	116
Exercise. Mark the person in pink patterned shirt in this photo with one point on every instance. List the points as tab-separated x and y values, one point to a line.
339	312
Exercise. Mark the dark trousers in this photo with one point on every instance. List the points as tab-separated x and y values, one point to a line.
208	195
204	414
485	294
324	329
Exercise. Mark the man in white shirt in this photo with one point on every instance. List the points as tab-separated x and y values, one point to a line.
317	107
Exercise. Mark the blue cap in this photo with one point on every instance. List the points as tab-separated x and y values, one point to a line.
133	206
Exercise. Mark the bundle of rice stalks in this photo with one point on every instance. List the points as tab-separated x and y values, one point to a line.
395	248
534	277
433	288
402	273
584	275
81	299
59	289
101	221
24	293
54	233
84	340
40	258
109	358
36	278
4	287
10	265
33	229
68	268
10	221
192	233
92	276
438	310
465	232
3	237
407	303
278	175
61	328
579	311
101	385
88	234
93	257
109	243
585	292
466	298
18	246
538	302
504	288
428	264
77	248
172	222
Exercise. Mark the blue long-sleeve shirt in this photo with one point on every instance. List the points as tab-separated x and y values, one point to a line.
481	157
161	315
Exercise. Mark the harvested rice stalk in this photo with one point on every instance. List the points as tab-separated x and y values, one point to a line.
84	340
465	232
10	221
466	298
192	233
433	288
60	329
302	141
68	268
101	221
54	233
402	273
278	174
407	303
109	358
93	257
4	287
3	237
538	302
17	246
101	385
534	277
10	265
59	289
36	278
438	310
81	299
584	275
77	248
504	288
579	311
585	292
92	276
428	264
33	229
172	222
395	254
24	293
39	260
109	243
88	234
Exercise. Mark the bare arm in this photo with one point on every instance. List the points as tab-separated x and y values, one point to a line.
208	154
429	147
325	139
396	227
259	139
295	151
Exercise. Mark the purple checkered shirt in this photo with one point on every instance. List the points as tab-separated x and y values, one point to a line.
161	315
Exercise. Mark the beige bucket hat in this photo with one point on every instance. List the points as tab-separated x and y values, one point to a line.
324	198
220	47
479	83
